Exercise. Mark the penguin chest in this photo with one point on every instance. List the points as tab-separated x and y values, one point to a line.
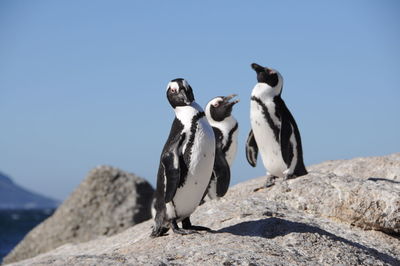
226	135
266	128
231	150
200	148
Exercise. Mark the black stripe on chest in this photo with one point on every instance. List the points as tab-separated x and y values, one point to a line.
230	136
189	146
268	117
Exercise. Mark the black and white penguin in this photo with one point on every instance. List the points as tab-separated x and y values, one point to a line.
273	129
186	162
219	115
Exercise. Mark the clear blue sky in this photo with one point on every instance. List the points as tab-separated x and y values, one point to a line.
82	83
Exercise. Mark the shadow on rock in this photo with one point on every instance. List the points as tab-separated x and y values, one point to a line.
275	227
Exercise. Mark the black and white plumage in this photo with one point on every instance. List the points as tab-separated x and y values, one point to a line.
219	115
273	129
186	162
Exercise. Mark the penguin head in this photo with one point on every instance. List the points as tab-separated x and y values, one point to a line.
179	93
269	76
220	107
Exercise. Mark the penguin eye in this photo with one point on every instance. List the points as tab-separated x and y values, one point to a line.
173	90
216	104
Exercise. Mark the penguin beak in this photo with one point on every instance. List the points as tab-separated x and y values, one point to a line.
257	67
226	100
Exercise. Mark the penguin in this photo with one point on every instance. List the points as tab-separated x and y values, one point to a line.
186	162
219	115
273	129
218	112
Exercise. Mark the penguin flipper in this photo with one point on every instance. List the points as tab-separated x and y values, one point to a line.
221	172
286	145
251	149
289	128
170	162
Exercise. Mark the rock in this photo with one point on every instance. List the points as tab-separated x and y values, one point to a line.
250	229
361	202
375	168
107	202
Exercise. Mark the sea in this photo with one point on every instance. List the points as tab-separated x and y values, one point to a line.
15	224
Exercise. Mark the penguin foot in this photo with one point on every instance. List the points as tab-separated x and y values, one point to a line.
198	228
270	181
289	176
187	224
181	231
160	231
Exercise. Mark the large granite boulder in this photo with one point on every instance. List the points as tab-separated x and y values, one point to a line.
298	222
107	202
369	204
374	168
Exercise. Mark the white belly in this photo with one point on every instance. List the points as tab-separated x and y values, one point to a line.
188	197
268	147
231	153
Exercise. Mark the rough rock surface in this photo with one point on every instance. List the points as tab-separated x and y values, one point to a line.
248	229
374	168
361	202
107	202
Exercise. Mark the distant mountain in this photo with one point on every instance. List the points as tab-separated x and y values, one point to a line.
12	196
